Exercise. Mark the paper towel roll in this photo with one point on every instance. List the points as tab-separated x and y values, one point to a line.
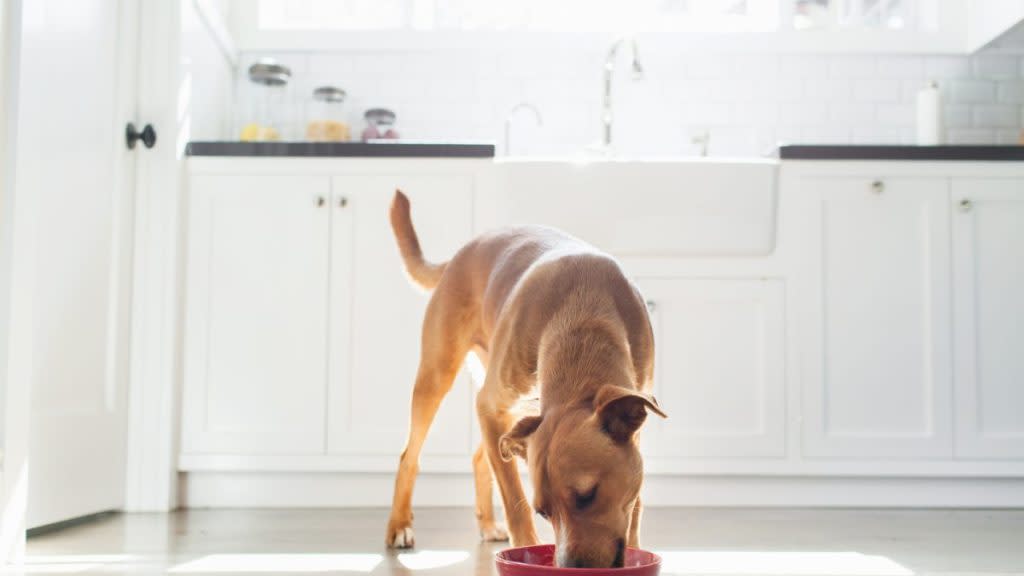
929	115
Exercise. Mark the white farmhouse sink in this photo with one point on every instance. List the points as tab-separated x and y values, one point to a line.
685	207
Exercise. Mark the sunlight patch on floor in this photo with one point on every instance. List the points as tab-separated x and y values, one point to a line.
68	563
741	563
287	563
428	559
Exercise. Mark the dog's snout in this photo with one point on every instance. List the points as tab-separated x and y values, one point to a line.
583	559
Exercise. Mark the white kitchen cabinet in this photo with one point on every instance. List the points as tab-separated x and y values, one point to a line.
256	328
370	395
877	364
719	368
988	273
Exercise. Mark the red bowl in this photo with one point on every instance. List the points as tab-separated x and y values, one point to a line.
539	560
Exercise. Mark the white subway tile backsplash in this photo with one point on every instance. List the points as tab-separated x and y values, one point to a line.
708	112
756	66
995	116
970	136
956	116
852	66
827	89
748	102
994	66
799	66
900	67
875	134
896	115
1011	91
944	67
803	113
876	90
852	113
1009	137
703	66
967	91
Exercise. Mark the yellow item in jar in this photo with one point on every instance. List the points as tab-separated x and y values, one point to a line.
257	133
327	131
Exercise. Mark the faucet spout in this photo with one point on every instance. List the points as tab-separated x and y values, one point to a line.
609	73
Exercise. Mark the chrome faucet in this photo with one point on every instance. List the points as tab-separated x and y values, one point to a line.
508	121
609	72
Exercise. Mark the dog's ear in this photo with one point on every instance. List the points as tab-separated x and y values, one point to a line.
622	410
513	442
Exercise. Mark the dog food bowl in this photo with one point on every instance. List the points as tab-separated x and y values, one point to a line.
540	561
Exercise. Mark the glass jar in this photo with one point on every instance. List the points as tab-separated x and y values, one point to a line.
267	102
326	117
380	123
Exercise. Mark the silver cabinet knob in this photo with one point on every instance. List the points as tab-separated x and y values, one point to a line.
651	306
965	205
342	201
320	201
878	187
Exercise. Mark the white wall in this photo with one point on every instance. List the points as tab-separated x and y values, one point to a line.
207	82
747	101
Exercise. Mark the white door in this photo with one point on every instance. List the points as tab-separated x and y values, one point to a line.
256	314
377	315
77	94
719	368
988	286
877	373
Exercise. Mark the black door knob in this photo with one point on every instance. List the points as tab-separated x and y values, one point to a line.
131	135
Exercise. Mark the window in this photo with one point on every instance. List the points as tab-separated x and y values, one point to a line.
551	15
596	15
865	14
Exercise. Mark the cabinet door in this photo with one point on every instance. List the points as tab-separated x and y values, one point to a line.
379	313
988	261
256	326
877	373
719	368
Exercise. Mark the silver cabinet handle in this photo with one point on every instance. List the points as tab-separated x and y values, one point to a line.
651	306
965	205
342	201
320	201
877	187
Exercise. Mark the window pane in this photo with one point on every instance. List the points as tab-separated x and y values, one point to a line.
616	16
331	14
811	14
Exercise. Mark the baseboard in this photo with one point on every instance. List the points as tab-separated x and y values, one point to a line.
345	490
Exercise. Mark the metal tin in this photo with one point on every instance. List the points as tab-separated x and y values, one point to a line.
329	94
379	116
269	73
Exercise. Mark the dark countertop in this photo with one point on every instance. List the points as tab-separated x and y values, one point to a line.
340	149
983	153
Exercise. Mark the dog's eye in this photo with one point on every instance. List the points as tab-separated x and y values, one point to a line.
585	499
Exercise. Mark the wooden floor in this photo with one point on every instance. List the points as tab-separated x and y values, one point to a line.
693	541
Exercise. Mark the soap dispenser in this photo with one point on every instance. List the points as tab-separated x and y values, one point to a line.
929	115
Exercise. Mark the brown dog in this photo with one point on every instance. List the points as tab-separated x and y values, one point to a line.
546	313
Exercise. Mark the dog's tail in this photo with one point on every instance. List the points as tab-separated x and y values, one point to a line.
424	273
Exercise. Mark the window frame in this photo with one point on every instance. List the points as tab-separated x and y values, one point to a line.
950	37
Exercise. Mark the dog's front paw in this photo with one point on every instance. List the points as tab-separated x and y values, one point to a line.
400	537
495	533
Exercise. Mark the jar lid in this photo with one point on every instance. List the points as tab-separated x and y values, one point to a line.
269	73
379	115
329	94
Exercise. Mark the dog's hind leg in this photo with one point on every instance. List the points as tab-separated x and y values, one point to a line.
444	347
490	530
